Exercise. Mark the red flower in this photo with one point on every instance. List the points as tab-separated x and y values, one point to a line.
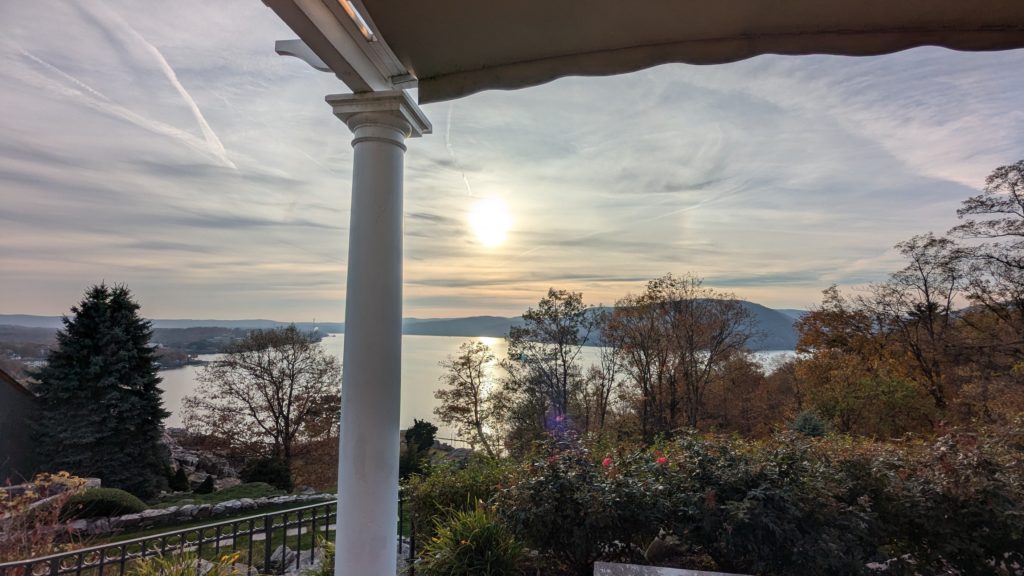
662	460
607	462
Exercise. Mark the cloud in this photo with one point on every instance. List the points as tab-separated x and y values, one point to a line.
193	163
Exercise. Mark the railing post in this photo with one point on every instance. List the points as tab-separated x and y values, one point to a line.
268	531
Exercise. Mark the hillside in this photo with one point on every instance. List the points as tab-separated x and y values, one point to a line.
774	327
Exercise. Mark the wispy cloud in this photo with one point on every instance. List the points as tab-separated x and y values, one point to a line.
193	163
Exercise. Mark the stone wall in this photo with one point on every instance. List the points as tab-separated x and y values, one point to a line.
175	515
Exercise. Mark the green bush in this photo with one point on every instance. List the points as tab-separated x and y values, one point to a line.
451	487
791	505
575	509
766	509
206	486
471	543
956	506
272	471
101	502
179	481
809	423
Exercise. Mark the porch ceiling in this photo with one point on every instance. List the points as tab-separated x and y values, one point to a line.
458	47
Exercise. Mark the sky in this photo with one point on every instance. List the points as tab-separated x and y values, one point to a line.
164	145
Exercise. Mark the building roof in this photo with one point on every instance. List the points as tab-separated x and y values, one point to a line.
457	47
7	380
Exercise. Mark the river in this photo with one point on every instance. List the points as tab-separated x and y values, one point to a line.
420	373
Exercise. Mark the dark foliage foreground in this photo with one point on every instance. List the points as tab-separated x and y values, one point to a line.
792	505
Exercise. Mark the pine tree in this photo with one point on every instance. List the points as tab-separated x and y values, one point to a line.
100	407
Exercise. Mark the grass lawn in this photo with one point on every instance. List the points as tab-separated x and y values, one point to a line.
251	490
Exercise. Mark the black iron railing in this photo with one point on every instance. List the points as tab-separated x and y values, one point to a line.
254	539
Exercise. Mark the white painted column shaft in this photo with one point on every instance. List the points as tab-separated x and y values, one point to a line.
368	463
367	525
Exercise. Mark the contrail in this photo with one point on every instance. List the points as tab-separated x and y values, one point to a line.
95	99
216	146
63	74
451	149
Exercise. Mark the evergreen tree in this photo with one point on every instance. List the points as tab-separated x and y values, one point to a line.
100	409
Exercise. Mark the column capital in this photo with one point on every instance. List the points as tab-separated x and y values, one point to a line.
392	108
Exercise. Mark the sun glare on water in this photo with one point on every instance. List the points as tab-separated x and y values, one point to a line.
490	221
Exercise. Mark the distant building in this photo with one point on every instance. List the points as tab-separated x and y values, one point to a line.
16	406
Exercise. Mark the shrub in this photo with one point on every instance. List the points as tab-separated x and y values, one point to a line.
576	510
411	461
326	565
187	564
206	486
766	509
100	502
451	487
273	471
956	506
808	423
471	543
421	434
30	520
179	481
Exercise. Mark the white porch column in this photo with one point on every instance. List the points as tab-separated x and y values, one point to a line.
370	400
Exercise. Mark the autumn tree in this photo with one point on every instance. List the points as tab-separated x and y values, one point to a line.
270	391
544	353
466	401
917	304
636	332
100	407
670	340
853	371
994	227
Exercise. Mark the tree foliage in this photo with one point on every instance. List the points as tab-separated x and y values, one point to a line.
671	340
100	407
467	401
270	391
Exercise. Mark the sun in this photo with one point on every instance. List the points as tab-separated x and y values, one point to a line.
490	220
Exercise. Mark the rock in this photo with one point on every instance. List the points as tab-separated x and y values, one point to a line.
93	483
232	505
247	503
459	455
195	479
281	557
223	483
187	511
78	526
155	516
203	511
218	510
126	521
99	526
306	490
664	547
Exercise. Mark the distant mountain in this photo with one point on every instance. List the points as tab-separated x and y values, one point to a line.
775	327
488	326
30	321
792	313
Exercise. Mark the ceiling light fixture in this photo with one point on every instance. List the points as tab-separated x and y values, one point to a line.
357	18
